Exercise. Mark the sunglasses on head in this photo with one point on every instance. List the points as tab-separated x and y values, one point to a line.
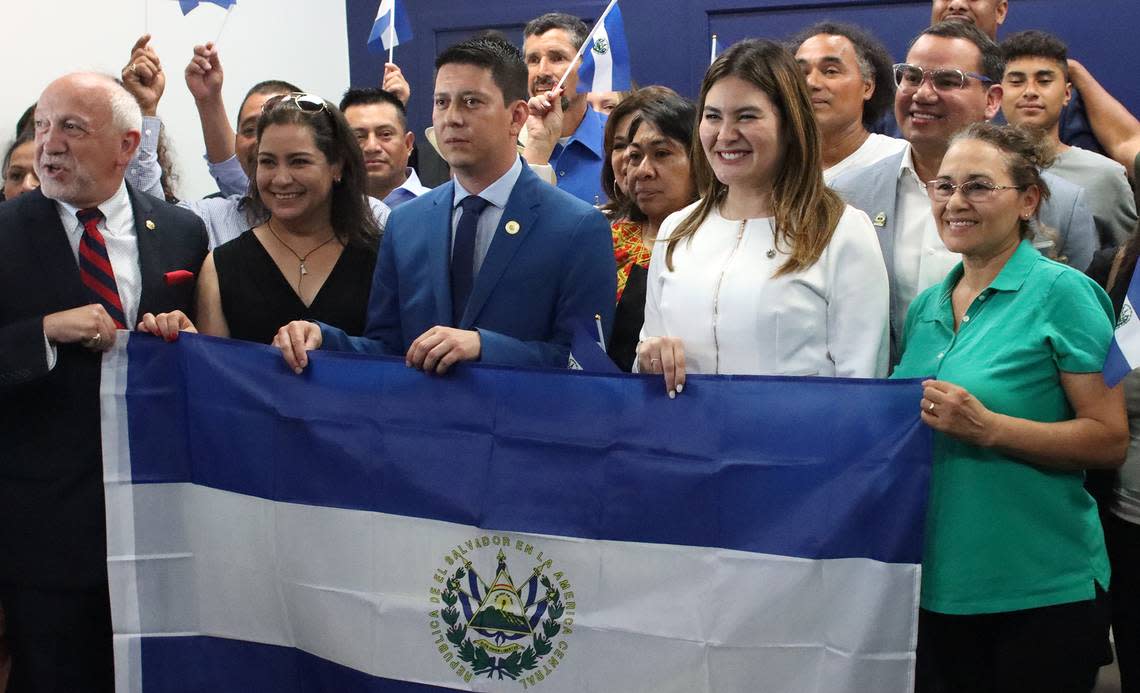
308	103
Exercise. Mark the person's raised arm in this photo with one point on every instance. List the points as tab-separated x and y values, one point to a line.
204	78
1113	124
144	79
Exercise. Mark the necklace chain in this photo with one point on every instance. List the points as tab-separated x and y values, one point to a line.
302	270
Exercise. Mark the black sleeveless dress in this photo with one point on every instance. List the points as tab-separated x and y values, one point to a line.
257	300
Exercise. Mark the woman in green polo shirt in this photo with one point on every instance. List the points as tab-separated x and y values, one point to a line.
1015	558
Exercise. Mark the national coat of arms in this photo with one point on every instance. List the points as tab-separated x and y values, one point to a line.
498	629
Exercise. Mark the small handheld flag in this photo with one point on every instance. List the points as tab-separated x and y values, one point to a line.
390	29
605	63
188	5
1124	352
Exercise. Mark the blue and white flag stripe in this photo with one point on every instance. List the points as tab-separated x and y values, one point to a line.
271	522
188	5
605	62
383	37
1124	352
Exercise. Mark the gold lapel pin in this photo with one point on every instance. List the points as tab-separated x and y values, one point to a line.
512	227
880	219
150	224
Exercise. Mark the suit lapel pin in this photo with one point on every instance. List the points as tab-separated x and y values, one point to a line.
880	219
512	227
150	224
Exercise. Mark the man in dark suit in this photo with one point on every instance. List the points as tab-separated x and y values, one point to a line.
79	258
494	265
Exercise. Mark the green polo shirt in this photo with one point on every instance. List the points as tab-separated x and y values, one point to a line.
1001	534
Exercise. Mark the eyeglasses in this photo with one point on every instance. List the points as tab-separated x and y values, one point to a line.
309	103
911	77
973	190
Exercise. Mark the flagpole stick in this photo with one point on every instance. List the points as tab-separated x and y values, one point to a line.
598	324
392	36
146	17
582	48
713	58
224	22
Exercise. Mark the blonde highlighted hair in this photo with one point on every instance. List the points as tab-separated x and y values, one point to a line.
805	210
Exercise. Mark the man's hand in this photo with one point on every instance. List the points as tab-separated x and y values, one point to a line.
544	126
204	74
395	84
295	340
88	325
143	76
166	325
440	348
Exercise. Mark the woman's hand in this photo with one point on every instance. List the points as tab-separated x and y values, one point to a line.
665	355
955	412
166	325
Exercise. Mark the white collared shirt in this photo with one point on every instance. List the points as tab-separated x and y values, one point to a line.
496	194
118	229
920	259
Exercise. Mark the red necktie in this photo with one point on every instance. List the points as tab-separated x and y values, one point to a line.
95	267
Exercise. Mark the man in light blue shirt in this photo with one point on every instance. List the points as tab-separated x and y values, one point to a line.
568	138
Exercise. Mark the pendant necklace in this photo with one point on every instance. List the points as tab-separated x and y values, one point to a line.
300	258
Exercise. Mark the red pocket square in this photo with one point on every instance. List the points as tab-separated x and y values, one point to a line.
178	277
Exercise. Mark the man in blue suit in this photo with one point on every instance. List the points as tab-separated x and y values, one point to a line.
495	265
951	78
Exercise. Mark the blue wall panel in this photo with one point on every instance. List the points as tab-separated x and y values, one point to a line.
669	39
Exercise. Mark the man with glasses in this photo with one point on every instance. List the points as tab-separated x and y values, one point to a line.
494	265
1035	89
951	78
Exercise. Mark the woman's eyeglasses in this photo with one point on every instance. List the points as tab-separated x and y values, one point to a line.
911	77
942	190
308	103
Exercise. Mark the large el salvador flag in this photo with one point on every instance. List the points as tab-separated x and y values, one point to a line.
391	28
605	61
367	527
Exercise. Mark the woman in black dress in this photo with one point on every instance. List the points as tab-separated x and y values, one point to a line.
313	257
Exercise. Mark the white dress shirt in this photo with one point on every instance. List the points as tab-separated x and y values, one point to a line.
875	148
734	316
118	229
920	259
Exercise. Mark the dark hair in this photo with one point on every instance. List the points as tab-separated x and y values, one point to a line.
27	121
269	86
805	210
1025	154
367	96
618	206
575	28
350	214
166	163
675	117
991	65
499	56
22	138
1036	44
875	64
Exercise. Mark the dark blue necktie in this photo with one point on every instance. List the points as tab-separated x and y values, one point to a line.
463	255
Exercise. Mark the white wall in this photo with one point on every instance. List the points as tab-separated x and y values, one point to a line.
302	41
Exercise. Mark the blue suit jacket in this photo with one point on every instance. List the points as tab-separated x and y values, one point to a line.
534	285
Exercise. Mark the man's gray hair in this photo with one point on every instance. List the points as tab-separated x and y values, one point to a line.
125	112
575	28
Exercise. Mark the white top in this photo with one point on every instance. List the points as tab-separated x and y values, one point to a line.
734	316
875	148
920	259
